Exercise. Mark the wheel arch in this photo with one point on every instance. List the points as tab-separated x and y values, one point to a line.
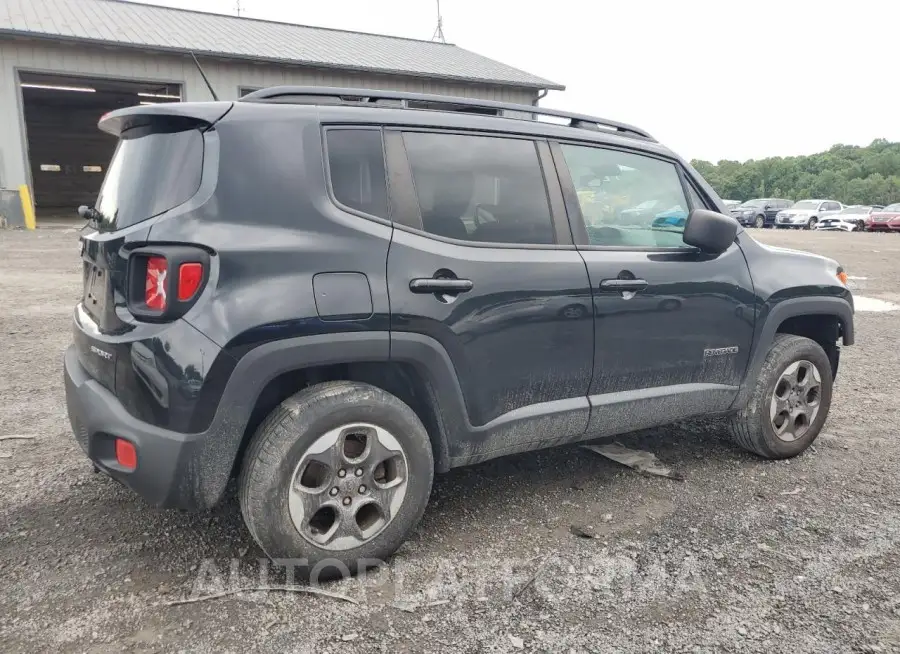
403	380
417	370
822	319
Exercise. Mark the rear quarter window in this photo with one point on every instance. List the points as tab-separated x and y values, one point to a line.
150	173
357	171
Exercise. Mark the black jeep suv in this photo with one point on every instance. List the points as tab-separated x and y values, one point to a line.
332	294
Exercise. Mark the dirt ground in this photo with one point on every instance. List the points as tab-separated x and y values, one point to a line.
743	555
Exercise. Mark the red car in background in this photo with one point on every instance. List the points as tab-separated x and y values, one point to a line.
885	220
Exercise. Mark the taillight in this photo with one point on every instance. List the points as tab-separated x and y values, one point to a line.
155	284
190	275
164	281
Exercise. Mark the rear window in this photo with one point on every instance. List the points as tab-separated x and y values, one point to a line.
148	175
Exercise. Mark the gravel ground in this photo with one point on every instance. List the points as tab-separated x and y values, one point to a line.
743	555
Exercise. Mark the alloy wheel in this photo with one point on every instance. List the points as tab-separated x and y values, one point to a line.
796	400
348	486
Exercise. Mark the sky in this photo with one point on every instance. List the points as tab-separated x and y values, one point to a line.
725	79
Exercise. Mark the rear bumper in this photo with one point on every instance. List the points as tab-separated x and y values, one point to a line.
169	464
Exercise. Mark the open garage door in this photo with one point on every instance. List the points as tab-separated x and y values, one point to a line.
67	153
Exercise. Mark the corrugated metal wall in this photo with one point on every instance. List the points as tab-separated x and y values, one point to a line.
226	77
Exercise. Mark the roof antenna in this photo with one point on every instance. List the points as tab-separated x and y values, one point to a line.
439	31
237	7
203	75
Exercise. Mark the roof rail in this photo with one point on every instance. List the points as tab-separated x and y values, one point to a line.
404	100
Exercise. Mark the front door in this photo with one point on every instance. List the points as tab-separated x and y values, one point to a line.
673	326
476	267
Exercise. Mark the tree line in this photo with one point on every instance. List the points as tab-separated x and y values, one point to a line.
846	173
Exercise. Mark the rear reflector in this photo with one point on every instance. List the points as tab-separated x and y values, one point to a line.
189	277
126	455
155	284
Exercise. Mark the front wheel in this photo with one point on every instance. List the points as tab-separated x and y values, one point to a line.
790	402
760	222
335	478
811	223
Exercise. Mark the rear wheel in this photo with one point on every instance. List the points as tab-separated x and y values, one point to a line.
335	478
790	403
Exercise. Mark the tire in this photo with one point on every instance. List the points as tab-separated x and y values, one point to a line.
271	471
760	222
753	427
811	223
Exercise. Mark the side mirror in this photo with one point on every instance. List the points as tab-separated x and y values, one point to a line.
767	207
712	232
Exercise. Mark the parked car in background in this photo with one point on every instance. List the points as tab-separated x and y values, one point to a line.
730	203
759	212
806	213
646	211
884	220
850	219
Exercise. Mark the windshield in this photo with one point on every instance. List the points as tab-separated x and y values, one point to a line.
754	203
806	204
856	210
892	207
148	175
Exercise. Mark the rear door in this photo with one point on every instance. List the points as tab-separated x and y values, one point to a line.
673	326
482	265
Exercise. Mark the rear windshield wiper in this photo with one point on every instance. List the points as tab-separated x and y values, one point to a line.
91	215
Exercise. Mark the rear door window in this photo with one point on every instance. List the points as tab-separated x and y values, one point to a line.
150	173
480	188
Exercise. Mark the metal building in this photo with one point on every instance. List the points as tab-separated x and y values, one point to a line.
64	63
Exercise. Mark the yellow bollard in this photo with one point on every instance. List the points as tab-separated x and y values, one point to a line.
27	206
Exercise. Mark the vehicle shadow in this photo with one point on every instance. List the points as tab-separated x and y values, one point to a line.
114	534
562	469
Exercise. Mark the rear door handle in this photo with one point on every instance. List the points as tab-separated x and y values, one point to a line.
620	285
431	285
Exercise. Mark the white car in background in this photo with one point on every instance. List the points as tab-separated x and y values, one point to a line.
807	213
850	219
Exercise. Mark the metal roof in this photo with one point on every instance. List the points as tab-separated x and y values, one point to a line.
129	24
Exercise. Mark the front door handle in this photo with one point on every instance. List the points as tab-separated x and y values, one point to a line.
432	285
620	285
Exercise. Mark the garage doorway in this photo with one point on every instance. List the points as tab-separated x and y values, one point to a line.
67	153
